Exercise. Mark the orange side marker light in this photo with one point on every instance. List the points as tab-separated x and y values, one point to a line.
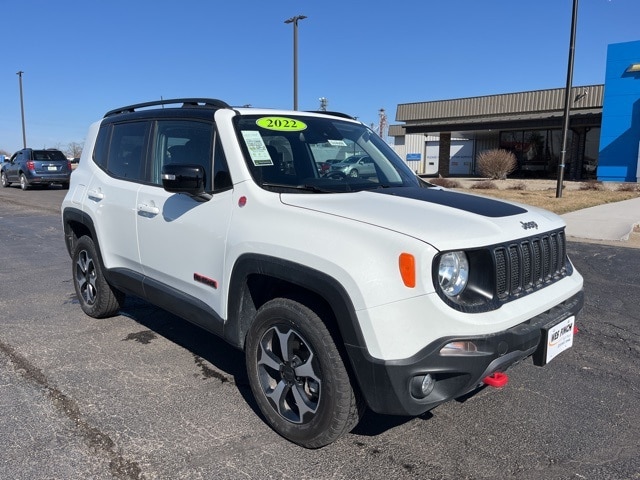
407	264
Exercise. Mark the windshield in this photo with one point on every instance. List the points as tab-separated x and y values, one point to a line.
318	154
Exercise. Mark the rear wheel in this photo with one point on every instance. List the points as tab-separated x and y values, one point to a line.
97	297
24	183
4	180
297	375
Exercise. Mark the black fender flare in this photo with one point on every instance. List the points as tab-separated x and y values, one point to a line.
241	309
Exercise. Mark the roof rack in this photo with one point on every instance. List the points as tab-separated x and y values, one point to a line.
186	102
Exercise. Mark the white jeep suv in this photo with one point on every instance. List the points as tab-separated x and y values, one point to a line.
344	292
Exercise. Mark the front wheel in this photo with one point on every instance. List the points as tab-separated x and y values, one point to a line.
297	375
97	297
4	180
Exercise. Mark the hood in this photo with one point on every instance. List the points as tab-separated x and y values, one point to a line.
443	218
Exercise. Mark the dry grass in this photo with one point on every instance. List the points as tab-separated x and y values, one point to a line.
445	182
628	187
571	200
484	185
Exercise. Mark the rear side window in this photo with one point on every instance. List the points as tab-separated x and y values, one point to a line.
101	150
125	154
119	149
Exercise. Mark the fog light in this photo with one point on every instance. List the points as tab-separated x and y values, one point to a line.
422	385
459	348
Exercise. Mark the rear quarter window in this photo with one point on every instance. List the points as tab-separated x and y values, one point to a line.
120	149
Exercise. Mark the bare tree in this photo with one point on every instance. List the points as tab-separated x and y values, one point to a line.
74	149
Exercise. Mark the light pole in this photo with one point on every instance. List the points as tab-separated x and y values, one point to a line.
295	20
24	135
567	100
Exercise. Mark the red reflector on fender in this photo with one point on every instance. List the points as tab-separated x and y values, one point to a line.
206	280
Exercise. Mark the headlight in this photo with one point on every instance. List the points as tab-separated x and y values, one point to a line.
453	273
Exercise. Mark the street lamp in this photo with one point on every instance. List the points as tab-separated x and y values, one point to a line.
24	135
295	20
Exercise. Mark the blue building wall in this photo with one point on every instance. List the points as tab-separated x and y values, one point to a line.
620	133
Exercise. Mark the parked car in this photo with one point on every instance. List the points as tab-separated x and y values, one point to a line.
36	167
344	293
354	166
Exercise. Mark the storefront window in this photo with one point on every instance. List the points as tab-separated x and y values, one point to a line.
537	151
591	148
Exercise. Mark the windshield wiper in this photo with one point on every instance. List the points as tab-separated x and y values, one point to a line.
308	188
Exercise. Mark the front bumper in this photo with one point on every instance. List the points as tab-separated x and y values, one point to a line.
386	385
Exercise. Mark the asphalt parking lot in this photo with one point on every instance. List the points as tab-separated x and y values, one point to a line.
146	395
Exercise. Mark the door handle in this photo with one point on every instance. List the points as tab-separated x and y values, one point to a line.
95	194
149	209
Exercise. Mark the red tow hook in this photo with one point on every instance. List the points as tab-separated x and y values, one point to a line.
497	380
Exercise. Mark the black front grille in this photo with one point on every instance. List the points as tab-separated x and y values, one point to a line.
529	264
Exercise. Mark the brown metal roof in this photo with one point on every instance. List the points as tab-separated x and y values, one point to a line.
536	109
586	117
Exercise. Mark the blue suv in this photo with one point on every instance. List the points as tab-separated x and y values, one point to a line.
36	167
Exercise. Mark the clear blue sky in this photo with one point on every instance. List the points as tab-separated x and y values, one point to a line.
81	58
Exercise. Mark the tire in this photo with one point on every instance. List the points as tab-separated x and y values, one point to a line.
353	173
97	298
4	180
24	183
304	392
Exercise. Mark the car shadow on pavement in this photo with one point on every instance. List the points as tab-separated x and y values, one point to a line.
373	424
227	363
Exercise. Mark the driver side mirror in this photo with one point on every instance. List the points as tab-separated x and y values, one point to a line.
190	179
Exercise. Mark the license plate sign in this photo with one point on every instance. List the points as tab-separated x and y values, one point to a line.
52	168
559	338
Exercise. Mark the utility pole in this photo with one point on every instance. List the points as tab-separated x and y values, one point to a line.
24	135
567	100
295	20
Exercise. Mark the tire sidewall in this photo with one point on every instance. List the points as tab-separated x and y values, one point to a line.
304	321
99	308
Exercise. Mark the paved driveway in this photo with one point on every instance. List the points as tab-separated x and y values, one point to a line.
147	395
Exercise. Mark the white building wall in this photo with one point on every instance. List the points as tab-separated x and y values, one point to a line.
421	152
414	152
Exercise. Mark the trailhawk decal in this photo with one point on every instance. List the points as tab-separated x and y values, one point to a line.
486	207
